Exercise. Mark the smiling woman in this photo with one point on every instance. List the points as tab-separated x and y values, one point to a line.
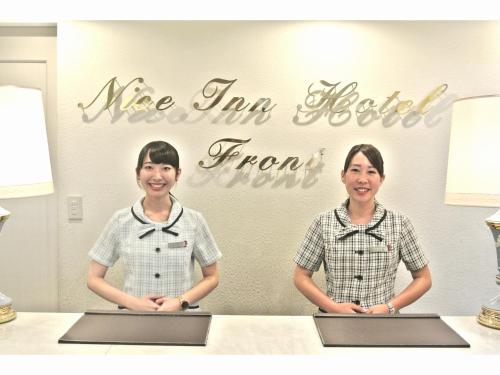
363	174
158	240
361	244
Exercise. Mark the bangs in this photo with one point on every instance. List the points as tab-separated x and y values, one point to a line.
160	152
164	155
372	154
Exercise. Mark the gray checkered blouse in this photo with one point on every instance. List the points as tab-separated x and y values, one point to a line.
158	257
360	260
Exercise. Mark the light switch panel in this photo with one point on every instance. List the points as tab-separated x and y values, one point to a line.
75	207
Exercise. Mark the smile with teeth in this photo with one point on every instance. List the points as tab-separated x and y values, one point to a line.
157	185
361	189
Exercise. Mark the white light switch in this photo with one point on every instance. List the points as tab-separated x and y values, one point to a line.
75	207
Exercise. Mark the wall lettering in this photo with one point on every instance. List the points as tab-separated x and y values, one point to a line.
223	150
335	102
215	94
118	99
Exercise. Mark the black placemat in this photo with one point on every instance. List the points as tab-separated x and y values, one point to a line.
140	328
401	330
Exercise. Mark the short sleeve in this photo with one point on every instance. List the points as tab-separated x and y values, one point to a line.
205	249
312	250
105	250
411	251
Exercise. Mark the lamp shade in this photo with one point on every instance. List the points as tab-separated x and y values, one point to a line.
24	154
473	177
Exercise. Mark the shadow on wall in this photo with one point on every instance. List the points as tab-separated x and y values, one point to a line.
338	104
136	101
324	100
228	177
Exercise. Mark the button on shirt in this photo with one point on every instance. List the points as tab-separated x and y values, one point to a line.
160	262
360	261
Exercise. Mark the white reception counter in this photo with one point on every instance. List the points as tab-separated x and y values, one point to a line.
37	333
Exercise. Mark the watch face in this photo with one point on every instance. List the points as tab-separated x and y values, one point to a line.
391	308
184	305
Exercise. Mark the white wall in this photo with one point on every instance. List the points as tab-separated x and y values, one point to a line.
259	221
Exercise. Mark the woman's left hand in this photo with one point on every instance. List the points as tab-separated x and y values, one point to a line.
378	309
168	304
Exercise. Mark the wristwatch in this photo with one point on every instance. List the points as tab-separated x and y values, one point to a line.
391	308
183	302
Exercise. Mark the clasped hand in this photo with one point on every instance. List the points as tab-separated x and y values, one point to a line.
155	303
351	308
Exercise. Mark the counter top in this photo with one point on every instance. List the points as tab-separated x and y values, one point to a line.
38	333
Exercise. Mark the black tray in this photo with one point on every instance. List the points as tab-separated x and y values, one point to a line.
385	330
139	328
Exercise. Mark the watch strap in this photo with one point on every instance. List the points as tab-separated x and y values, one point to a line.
183	302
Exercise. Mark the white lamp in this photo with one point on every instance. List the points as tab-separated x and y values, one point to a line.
24	156
473	177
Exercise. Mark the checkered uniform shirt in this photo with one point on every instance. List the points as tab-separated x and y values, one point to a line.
360	260
156	261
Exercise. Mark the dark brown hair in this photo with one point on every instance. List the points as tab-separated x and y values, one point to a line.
371	153
160	152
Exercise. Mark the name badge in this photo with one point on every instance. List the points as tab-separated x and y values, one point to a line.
378	249
175	245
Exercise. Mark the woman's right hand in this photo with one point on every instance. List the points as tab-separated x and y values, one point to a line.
347	308
145	303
